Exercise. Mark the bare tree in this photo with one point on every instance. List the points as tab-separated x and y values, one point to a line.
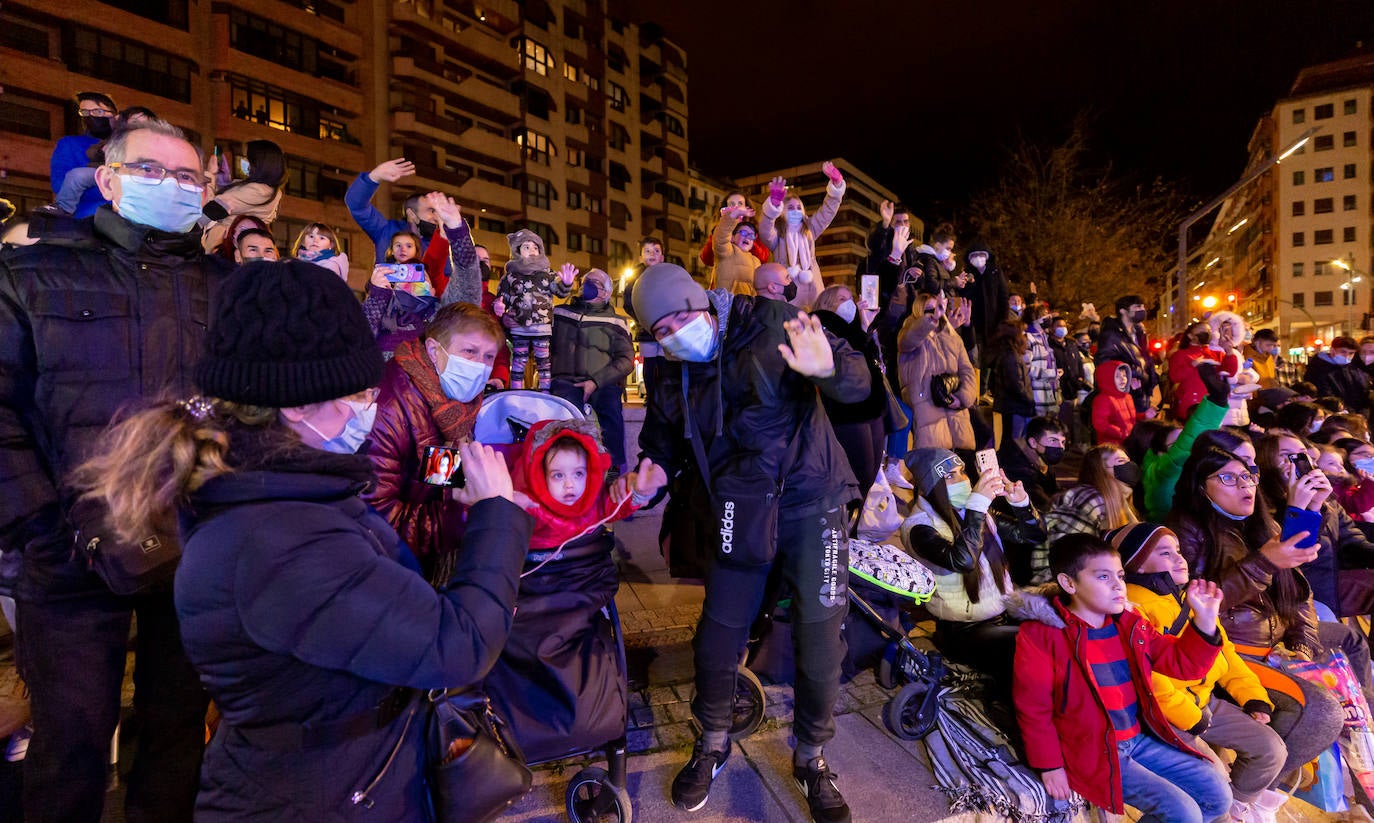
1081	234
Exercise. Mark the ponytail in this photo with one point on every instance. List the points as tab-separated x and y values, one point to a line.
155	458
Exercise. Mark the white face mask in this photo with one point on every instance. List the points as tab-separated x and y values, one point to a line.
359	427
847	310
694	342
463	380
978	261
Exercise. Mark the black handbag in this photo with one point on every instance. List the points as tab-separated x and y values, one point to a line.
942	389
476	770
127	568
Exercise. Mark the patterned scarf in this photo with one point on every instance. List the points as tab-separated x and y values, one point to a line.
455	419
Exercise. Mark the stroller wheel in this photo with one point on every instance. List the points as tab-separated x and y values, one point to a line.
592	798
747	713
886	674
909	715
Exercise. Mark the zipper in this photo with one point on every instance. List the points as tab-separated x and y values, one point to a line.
361	798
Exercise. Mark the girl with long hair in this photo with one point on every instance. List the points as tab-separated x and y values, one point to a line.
262	173
794	246
319	244
299	607
1100	502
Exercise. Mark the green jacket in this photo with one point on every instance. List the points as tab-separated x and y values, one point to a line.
1161	470
591	342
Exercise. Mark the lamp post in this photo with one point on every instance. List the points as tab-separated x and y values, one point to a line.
1188	221
1349	287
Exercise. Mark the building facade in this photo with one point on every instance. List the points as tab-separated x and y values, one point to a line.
565	116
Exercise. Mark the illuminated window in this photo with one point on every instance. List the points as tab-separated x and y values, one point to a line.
616	95
537	57
572	72
538	147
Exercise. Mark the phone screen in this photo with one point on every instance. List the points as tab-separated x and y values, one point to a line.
869	290
442	466
1302	464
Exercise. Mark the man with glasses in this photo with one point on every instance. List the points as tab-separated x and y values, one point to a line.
94	320
97	116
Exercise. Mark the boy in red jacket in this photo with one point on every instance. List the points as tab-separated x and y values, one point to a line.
1082	690
1113	408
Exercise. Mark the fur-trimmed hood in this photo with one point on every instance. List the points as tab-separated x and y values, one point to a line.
1043	604
541	437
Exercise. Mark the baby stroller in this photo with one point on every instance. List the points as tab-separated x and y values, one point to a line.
561	680
874	568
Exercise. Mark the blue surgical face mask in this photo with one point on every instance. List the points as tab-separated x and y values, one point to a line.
1365	465
1340	360
463	380
847	310
162	205
1224	513
339	443
795	218
359	426
1060	332
959	493
695	342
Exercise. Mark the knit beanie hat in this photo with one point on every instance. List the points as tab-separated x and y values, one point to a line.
665	288
286	334
930	465
522	237
1135	542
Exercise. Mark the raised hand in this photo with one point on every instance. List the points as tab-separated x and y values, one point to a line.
738	212
901	238
829	170
485	474
566	273
1016	492
450	213
1204	598
392	170
809	354
777	189
887	209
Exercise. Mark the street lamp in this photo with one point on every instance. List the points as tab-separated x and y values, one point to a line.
1349	286
1188	221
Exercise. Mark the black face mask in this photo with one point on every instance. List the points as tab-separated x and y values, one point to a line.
426	228
789	292
486	269
1138	316
98	127
1052	454
589	292
1128	473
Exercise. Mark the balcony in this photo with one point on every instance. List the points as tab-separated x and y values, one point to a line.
477	194
489	101
436	178
473	45
429	125
492	150
443	76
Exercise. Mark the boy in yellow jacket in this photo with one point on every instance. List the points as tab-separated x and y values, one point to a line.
1156	575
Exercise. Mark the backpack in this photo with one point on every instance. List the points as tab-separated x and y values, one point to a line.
976	766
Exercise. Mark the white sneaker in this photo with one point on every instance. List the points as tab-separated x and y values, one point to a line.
895	475
1266	806
1242	813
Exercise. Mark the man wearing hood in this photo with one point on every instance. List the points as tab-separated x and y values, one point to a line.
97	112
989	293
1335	373
737	412
592	355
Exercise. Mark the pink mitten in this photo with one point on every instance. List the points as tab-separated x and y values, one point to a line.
776	189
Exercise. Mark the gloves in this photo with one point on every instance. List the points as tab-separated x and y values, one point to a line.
1218	387
777	188
833	173
1201	726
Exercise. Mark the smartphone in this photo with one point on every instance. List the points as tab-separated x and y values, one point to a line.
1291	526
442	466
1302	464
402	272
868	290
985	461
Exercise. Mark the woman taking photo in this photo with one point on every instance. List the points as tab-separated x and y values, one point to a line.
297	605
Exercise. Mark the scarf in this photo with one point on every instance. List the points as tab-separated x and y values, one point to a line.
454	419
800	250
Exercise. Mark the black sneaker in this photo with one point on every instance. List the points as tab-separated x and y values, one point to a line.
692	785
817	782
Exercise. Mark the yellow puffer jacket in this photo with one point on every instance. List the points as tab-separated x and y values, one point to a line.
1183	700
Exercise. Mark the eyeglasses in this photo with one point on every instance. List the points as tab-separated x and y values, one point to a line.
1245	480
186	180
96	113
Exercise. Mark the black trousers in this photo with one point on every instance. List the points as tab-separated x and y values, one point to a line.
71	652
813	558
863	445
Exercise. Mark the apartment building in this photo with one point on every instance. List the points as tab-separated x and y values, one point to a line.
564	116
1295	246
842	249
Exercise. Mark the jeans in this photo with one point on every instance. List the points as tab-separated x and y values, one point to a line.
72	654
900	441
814	562
1170	785
609	406
74	187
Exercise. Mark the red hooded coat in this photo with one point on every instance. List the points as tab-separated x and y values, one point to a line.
1113	409
554	522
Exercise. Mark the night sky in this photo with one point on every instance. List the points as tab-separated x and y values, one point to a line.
926	97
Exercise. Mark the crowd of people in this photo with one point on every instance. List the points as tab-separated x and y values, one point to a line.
171	380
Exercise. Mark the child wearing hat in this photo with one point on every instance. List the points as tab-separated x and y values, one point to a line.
1156	574
525	304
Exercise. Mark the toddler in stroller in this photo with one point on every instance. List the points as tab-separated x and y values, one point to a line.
560	681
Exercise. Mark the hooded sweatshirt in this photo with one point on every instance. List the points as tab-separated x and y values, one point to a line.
1113	409
555	522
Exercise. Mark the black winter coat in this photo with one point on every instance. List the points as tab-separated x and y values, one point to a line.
991	296
1341	546
1066	357
94	318
591	342
1011	389
297	614
1348	382
873	406
760	422
1114	342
